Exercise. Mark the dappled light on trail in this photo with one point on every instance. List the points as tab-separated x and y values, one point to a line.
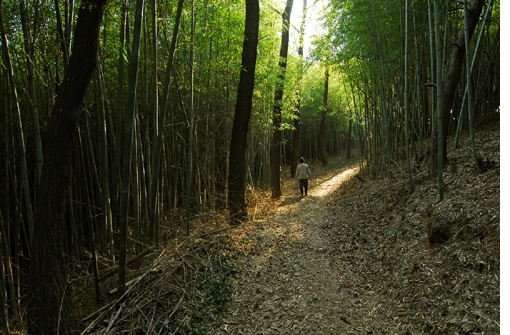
330	184
285	283
323	182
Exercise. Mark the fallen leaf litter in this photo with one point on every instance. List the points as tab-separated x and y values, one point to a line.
356	256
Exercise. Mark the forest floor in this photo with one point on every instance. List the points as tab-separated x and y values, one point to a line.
356	256
362	256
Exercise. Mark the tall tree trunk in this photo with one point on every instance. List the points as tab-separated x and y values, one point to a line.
8	273
50	308
381	80
190	120
158	145
406	96
296	135
433	97
61	36
454	70
136	184
120	110
128	146
278	100
471	65
240	127
470	88
349	138
4	315
105	180
29	51
90	221
322	132
437	149
156	126
19	125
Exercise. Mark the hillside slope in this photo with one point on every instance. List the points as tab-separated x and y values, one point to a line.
412	264
374	258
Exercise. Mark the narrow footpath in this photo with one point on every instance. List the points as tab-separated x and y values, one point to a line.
285	283
355	256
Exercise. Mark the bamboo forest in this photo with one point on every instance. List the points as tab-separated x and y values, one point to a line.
143	142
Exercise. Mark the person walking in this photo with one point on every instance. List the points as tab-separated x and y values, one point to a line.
303	174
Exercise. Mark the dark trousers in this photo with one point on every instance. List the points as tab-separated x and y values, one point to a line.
303	184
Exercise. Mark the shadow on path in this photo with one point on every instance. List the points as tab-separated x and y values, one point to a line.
285	283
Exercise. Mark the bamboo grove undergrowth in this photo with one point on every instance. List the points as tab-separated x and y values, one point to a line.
383	63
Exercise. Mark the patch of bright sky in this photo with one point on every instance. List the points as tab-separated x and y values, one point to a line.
313	24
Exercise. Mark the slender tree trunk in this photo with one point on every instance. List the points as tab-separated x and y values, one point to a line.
136	184
240	127
472	62
296	135
322	131
128	146
454	70
50	308
4	315
90	220
439	70
470	87
190	120
69	23
158	145
277	107
8	270
19	125
156	126
349	137
433	97
105	180
120	108
381	80
61	35
29	52
416	125
406	96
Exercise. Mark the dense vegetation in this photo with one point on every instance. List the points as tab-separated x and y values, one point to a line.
372	80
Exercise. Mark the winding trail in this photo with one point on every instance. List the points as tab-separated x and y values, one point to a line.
285	284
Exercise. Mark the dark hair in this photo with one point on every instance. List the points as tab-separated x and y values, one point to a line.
301	160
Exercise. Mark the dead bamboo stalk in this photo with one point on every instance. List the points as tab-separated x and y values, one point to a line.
108	307
108	272
110	325
173	312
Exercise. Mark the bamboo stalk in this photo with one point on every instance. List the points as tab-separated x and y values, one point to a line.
406	97
108	272
470	89
135	180
119	105
126	171
105	180
90	225
29	51
190	122
19	127
439	76
3	291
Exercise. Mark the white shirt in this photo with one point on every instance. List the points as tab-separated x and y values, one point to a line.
302	171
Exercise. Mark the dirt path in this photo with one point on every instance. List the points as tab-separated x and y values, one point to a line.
358	248
285	283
